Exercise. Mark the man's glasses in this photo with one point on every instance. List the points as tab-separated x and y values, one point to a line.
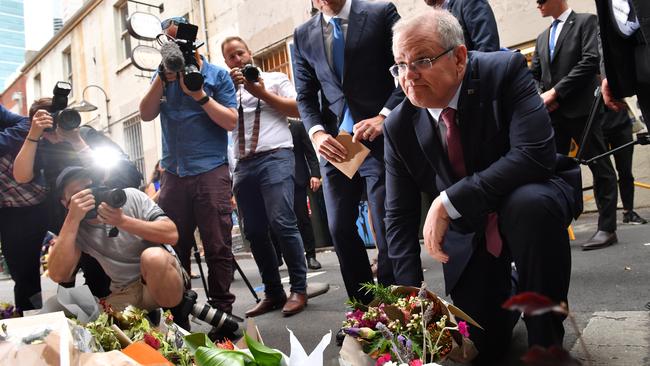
417	65
172	21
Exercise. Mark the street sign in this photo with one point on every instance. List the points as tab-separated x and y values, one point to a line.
144	26
146	58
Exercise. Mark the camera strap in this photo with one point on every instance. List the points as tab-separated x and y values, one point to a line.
242	129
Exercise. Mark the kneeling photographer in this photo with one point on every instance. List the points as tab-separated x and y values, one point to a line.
48	149
127	241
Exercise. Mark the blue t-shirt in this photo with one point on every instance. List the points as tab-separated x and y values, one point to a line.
192	142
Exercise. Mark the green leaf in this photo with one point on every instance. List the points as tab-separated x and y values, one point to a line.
196	340
220	357
264	356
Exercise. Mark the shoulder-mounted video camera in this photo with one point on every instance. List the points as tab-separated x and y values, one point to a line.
67	119
179	55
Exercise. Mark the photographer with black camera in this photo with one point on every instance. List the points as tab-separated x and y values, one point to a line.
47	151
196	187
264	176
143	272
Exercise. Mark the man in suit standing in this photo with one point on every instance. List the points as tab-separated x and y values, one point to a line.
477	20
626	52
565	65
342	55
475	131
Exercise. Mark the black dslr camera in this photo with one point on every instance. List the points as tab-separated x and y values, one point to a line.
186	41
67	119
251	73
114	197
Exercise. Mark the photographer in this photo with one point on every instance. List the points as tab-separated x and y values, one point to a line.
45	154
264	176
196	186
142	272
22	216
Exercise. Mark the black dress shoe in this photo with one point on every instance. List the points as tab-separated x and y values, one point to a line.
601	239
340	336
312	263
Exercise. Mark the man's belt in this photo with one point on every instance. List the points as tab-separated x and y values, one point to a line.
261	153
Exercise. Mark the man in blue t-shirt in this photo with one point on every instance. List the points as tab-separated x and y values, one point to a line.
196	187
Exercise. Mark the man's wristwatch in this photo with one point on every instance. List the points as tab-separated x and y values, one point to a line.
203	100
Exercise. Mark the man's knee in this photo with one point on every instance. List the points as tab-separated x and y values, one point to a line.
532	204
155	257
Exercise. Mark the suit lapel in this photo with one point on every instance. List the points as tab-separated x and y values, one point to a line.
317	39
544	52
469	116
356	24
566	29
427	135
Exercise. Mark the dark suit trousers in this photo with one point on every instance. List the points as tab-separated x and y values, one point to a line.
533	223
643	95
602	170
342	196
614	138
304	222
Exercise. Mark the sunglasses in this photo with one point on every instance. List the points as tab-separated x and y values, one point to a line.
172	21
541	2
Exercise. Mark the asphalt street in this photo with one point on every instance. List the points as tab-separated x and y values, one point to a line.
604	283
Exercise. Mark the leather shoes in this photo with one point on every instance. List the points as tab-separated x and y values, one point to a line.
312	263
601	239
266	305
295	304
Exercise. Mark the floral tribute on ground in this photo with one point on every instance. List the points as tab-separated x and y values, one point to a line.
408	326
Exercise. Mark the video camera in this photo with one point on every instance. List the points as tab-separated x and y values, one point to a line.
180	56
67	119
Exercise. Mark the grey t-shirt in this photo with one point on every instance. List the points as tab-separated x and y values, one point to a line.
120	256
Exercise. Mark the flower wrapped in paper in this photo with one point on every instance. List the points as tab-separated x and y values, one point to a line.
406	325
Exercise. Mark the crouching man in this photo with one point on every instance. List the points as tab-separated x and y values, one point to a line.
127	242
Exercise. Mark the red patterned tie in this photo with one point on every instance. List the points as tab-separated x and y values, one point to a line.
457	162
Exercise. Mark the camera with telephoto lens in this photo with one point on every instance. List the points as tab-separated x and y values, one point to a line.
114	197
222	322
251	73
67	119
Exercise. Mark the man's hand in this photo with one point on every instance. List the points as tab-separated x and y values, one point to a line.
328	147
611	102
196	95
237	77
435	228
40	122
256	89
314	184
550	100
368	129
80	204
110	215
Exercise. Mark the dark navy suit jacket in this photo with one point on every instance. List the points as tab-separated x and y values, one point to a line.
507	142
367	85
478	23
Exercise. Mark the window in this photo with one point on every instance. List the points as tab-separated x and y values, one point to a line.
133	142
37	87
125	37
275	59
67	69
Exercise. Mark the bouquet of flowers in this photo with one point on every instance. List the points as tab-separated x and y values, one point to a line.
408	325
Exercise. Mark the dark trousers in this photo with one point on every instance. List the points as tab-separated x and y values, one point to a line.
533	222
614	138
264	189
643	95
342	197
204	200
304	224
602	170
22	230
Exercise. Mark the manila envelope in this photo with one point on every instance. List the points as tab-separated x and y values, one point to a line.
357	153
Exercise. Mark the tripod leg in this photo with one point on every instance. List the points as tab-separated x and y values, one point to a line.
243	276
197	257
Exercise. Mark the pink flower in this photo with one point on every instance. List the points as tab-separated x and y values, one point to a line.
463	329
383	359
415	362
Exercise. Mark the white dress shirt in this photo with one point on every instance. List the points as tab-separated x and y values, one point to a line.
442	134
274	127
562	18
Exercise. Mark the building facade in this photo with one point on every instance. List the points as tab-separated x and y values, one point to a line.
12	42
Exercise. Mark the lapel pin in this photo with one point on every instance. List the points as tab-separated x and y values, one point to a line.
470	91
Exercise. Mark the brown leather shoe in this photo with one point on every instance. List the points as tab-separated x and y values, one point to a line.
601	239
266	305
295	304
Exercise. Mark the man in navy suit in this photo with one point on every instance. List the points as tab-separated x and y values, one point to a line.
475	133
342	55
477	20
